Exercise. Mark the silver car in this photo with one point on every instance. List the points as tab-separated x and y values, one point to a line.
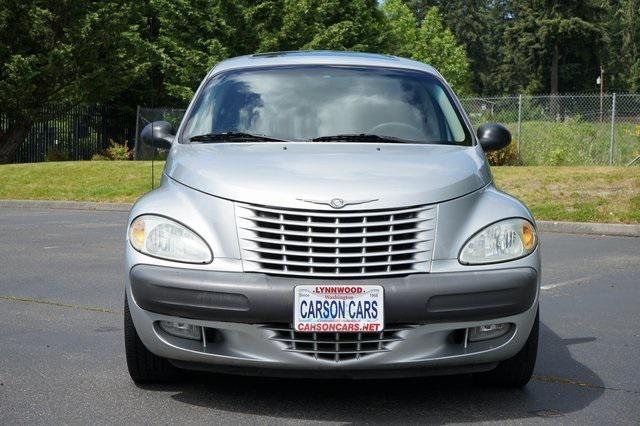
326	214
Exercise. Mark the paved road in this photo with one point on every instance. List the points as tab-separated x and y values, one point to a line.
62	361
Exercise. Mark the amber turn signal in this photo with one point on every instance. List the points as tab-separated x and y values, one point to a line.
528	236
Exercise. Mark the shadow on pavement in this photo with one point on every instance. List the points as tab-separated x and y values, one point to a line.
554	392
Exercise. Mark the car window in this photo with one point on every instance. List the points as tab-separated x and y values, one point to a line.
302	103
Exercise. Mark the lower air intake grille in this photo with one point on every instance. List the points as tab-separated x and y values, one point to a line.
336	346
336	244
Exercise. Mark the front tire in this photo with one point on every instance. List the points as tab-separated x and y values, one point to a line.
515	372
145	367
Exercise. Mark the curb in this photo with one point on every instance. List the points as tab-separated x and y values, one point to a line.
611	229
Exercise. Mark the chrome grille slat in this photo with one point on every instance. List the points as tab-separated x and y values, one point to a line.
335	347
332	234
332	225
340	274
337	353
331	214
333	245
342	255
314	243
333	264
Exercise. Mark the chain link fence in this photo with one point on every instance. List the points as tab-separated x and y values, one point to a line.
571	130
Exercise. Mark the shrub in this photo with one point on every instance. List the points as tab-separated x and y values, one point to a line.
505	157
115	152
119	152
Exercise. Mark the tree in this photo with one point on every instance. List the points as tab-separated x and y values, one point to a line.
188	37
630	17
403	33
553	46
66	52
193	35
478	25
431	42
438	46
469	21
265	18
331	24
419	7
622	57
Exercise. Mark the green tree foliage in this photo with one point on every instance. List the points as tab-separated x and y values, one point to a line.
192	36
629	15
622	57
331	24
553	46
265	19
419	7
430	42
479	26
155	52
437	46
511	43
473	29
403	32
543	45
67	52
188	37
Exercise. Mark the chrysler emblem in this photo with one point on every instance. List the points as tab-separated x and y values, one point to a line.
337	203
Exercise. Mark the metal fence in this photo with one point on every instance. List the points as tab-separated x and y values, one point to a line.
574	130
565	129
75	133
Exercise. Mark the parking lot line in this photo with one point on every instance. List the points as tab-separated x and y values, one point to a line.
58	304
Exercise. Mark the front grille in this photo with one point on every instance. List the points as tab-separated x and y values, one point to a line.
322	243
336	346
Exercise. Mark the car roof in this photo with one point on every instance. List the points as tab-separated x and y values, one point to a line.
321	57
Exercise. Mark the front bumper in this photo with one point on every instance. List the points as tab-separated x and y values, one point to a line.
258	298
241	309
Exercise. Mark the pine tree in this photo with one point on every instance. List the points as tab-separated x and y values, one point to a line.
553	46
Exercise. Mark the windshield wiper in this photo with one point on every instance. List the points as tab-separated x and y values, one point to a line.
232	137
361	137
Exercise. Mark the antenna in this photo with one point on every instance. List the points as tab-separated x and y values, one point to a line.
153	154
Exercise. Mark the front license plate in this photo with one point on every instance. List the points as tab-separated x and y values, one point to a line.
339	308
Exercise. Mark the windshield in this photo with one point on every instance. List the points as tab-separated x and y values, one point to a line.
311	102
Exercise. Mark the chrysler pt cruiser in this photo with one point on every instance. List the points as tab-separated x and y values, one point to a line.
326	214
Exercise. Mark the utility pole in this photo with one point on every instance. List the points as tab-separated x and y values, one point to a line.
613	125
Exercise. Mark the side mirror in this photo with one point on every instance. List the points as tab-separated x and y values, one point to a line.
493	136
159	134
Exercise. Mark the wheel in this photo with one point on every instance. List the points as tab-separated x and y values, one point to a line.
145	367
515	372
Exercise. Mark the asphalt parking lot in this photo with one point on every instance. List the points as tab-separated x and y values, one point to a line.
62	356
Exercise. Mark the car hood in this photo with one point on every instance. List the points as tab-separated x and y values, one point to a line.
285	174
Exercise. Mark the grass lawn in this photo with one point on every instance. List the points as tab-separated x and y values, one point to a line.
581	194
575	194
113	181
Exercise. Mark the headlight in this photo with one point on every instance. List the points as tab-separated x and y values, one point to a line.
505	240
164	238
